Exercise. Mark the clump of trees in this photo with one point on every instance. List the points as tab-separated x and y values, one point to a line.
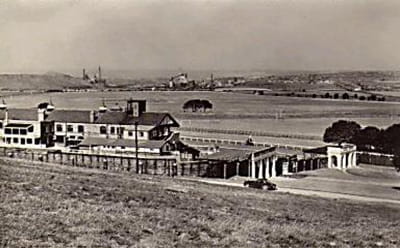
197	105
344	96
369	138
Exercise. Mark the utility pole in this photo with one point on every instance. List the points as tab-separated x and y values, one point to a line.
136	147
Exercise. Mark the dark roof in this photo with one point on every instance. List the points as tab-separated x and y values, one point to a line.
147	118
110	117
18	125
20	114
319	150
73	116
230	154
83	116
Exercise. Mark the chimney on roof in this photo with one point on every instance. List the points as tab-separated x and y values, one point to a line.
93	116
135	107
5	122
99	73
83	74
41	114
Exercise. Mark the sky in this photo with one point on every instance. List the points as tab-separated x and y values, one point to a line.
44	35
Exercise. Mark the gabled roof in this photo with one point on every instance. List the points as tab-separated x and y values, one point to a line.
71	116
122	118
83	116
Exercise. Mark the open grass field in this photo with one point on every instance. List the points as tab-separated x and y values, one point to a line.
304	126
237	111
55	206
225	104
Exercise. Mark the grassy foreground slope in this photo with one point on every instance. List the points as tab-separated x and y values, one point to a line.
44	205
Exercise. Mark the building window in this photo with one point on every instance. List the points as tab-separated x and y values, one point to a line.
15	140
59	139
8	140
22	141
81	129
59	128
141	134
37	141
30	129
15	131
103	130
130	133
7	131
22	131
29	141
112	130
1	124
70	128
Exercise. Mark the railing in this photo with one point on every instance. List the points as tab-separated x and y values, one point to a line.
248	132
237	142
154	165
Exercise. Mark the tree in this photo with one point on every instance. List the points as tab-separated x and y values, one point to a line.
396	160
345	96
341	131
369	138
336	95
197	105
372	98
327	95
391	139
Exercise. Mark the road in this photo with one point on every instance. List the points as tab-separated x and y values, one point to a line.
333	184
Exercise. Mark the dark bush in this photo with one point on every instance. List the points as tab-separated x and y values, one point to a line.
345	96
336	95
341	131
197	105
362	98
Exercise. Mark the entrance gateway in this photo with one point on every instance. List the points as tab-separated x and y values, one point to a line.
342	156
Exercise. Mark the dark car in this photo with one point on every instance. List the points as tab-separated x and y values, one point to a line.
260	184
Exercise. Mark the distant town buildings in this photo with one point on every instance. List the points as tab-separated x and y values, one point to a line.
96	79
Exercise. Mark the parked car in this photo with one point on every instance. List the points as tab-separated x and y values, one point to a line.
260	184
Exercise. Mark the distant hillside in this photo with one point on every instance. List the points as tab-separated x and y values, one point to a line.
50	81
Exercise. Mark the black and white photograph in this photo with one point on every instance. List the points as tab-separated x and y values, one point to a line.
199	123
